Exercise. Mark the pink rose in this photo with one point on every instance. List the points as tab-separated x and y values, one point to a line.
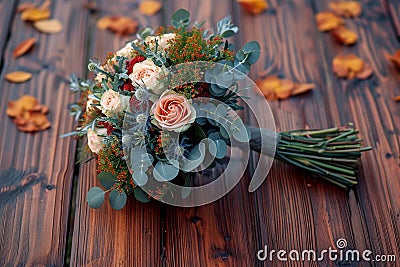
95	141
112	103
173	112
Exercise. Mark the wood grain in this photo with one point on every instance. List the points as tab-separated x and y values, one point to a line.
104	237
37	169
7	11
291	210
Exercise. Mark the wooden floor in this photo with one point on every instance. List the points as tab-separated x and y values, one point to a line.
44	218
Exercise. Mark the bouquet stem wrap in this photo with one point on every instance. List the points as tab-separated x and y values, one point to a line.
332	154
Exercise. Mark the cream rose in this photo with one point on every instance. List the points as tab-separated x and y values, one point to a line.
162	40
148	73
173	112
95	141
112	103
127	51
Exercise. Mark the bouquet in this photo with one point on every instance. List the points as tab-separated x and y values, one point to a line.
166	107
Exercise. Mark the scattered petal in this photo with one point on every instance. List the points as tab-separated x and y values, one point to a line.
150	7
348	9
345	35
35	14
24	47
397	98
18	76
28	114
119	25
24	6
395	58
350	67
327	21
254	7
49	26
274	88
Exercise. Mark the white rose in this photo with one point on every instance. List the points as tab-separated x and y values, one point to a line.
127	51
148	73
162	40
112	103
95	141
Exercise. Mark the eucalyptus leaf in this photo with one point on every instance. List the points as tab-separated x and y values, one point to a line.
107	179
140	195
164	172
140	178
95	197
118	200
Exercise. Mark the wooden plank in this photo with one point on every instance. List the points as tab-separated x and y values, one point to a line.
7	15
130	237
370	105
35	197
393	11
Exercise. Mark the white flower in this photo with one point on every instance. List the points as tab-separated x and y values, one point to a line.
148	73
162	40
127	51
112	103
95	142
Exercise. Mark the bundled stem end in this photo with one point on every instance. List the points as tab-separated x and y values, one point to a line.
332	154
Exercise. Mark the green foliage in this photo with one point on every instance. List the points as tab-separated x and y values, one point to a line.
140	195
118	199
181	19
95	197
107	179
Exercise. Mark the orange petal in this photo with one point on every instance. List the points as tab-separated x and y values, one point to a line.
150	7
35	14
254	7
365	73
24	47
397	98
13	109
18	76
300	88
345	36
327	21
351	66
395	58
348	9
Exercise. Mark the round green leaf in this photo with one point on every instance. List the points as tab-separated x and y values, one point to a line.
140	195
118	200
140	178
164	172
107	179
95	197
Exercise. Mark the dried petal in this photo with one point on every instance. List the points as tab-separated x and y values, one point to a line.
348	9
28	114
104	22
397	98
49	26
351	66
24	47
254	7
119	25
274	88
150	7
24	6
35	14
327	21
18	76
345	35
395	58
